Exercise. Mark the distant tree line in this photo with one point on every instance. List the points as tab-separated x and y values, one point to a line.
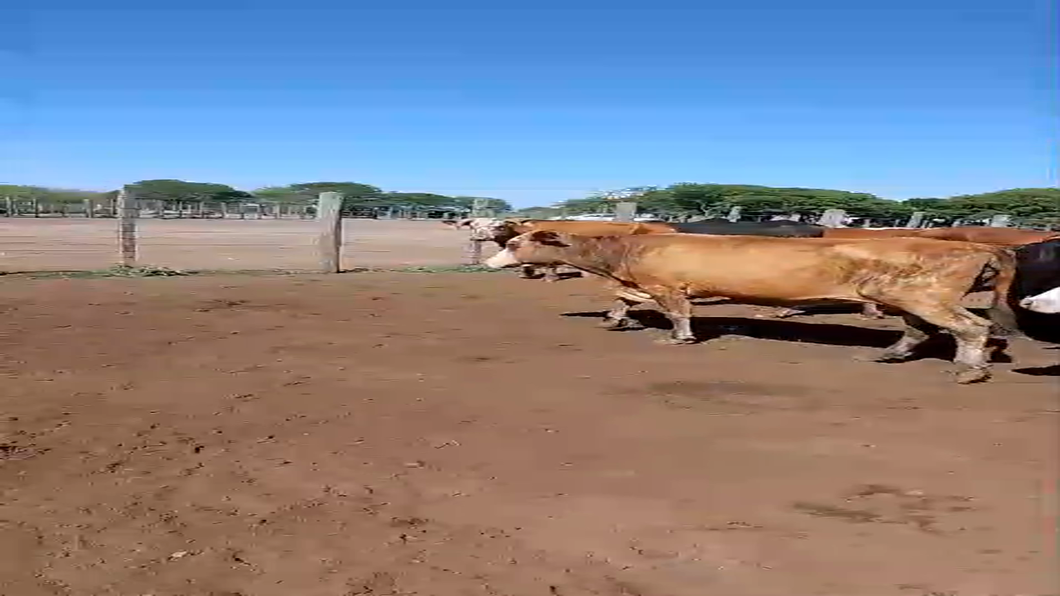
1032	206
358	198
1029	206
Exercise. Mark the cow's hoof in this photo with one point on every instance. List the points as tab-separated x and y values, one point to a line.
889	357
620	324
675	341
551	280
972	375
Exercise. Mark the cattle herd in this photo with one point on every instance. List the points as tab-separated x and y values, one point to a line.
922	275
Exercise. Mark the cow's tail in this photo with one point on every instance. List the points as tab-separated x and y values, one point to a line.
998	274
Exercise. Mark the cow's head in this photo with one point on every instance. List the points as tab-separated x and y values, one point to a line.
532	248
1038	280
486	228
1048	302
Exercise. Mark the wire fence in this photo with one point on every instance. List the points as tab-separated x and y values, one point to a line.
84	244
243	236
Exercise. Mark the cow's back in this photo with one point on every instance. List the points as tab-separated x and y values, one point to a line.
784	268
988	235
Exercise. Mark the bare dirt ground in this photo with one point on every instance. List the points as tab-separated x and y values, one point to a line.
465	434
78	244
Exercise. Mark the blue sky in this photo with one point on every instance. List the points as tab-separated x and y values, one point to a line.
895	97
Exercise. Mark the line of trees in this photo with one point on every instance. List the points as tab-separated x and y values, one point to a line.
1029	206
358	197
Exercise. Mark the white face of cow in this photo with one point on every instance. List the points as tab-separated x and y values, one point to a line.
1046	303
483	228
505	258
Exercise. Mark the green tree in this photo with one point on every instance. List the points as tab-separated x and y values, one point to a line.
355	194
180	190
464	204
1026	205
22	192
49	195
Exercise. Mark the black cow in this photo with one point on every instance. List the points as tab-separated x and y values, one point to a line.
724	227
1035	295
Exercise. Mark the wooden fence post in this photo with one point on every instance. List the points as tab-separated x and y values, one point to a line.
625	211
1001	220
329	232
127	214
473	251
9	207
832	218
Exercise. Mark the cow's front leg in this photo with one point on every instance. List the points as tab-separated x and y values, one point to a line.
527	271
551	273
678	309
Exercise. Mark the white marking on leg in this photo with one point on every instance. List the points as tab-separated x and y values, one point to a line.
1046	303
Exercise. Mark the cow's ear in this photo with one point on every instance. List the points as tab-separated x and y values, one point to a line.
548	238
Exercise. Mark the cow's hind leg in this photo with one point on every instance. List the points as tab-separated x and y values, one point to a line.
916	332
678	309
871	311
971	334
617	319
527	271
783	313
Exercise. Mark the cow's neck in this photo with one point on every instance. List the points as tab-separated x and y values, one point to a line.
599	256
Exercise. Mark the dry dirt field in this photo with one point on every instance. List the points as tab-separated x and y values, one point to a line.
79	244
474	434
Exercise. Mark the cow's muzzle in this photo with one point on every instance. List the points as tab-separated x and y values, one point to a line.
1046	303
504	258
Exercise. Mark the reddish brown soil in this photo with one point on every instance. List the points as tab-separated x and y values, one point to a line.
455	434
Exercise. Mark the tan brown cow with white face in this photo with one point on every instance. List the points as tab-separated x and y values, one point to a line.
503	230
924	278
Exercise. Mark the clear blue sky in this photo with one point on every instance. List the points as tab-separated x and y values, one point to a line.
897	97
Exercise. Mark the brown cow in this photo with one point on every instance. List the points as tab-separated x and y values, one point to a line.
503	230
989	235
924	278
982	234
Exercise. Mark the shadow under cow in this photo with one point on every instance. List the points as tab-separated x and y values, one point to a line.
940	346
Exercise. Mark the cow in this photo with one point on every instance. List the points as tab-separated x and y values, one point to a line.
989	235
924	278
724	227
1035	295
983	234
501	231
